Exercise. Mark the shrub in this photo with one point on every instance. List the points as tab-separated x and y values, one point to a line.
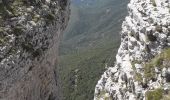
138	77
156	62
154	95
149	71
103	94
166	96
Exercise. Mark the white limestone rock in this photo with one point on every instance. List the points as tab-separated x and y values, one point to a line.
144	18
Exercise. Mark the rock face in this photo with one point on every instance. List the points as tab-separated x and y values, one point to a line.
142	66
29	39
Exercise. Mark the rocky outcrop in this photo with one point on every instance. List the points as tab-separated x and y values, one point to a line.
142	62
29	38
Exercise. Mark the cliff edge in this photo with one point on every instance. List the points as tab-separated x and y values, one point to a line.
142	69
29	39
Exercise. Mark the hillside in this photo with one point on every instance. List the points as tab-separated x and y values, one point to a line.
91	24
92	36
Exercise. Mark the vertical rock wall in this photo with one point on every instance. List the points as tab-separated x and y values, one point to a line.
145	34
29	39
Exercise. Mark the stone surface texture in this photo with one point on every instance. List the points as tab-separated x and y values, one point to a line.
145	34
29	39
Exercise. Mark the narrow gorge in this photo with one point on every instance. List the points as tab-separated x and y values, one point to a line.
142	69
34	65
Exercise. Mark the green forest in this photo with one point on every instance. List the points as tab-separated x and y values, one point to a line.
89	43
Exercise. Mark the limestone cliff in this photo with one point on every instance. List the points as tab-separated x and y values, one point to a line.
142	66
29	38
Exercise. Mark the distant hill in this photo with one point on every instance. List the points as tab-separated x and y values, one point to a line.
88	25
90	41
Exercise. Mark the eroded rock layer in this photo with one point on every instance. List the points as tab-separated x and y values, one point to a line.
142	62
29	39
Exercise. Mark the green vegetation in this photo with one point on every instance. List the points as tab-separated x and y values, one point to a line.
89	43
166	96
156	94
135	62
103	94
149	71
149	67
157	62
90	64
90	24
138	77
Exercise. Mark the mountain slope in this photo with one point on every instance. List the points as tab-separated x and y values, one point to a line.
88	43
99	22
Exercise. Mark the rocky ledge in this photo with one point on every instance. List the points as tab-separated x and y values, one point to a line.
142	69
29	38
